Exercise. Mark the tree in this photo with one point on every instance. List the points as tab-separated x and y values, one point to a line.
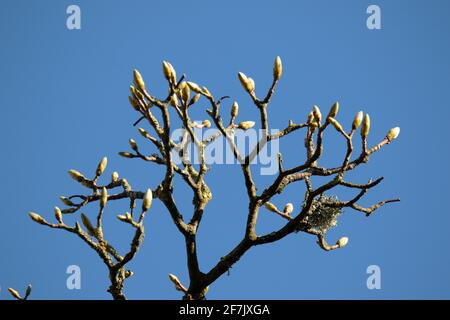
317	214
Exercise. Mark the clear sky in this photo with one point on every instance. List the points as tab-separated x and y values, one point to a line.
64	105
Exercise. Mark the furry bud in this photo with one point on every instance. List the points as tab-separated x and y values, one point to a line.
114	176
206	92
88	225
185	92
169	72
245	125
194	87
334	110
195	99
14	293
357	121
271	207
66	201
177	283
317	114
134	103
234	109
144	133
174	100
126	185
133	144
147	202
76	175
342	242
28	291
125	154
393	134
101	167
36	218
58	215
310	119
365	128
103	197
288	209
206	123
277	68
247	83
138	81
122	218
335	124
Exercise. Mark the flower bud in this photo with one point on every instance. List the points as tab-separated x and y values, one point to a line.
271	207
147	202
247	83
357	121
334	110
393	134
206	92
76	175
195	87
342	242
132	90
122	218
169	72
335	124
134	103
288	209
36	218
28	291
234	109
88	225
243	79
144	133
138	81
185	92
103	197
206	123
58	215
101	167
14	293
69	210
277	68
138	95
126	154
195	99
66	201
251	85
87	183
245	125
114	176
133	144
173	100
310	119
126	185
179	90
365	126
317	114
177	283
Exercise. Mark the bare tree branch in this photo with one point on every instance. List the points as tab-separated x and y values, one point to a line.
318	208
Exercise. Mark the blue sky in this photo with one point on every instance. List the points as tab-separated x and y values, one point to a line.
64	105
